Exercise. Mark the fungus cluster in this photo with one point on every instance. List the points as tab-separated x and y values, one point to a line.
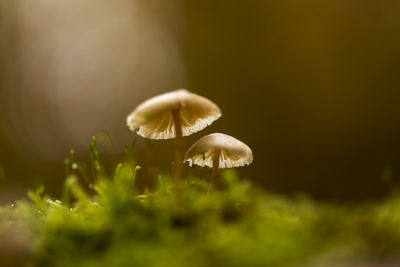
181	113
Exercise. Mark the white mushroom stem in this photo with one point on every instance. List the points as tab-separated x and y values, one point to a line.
179	146
215	168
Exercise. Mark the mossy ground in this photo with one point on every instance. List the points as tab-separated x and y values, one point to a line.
109	224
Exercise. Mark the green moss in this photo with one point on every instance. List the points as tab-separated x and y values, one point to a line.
109	224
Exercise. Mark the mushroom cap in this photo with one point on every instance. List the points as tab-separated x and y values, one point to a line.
233	153
153	118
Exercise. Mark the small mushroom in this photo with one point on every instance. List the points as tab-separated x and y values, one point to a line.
173	115
219	151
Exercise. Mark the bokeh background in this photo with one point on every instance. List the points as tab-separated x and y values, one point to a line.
313	87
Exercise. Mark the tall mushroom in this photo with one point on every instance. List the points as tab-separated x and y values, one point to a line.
219	151
173	115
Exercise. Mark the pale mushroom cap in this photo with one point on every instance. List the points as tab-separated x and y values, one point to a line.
234	153
153	118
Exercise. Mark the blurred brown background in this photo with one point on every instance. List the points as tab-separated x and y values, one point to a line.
311	86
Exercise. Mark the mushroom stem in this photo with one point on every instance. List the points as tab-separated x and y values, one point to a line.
179	147
215	168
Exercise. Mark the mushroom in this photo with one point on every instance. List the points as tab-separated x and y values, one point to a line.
173	115
219	151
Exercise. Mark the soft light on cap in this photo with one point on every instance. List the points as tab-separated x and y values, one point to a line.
153	118
231	151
